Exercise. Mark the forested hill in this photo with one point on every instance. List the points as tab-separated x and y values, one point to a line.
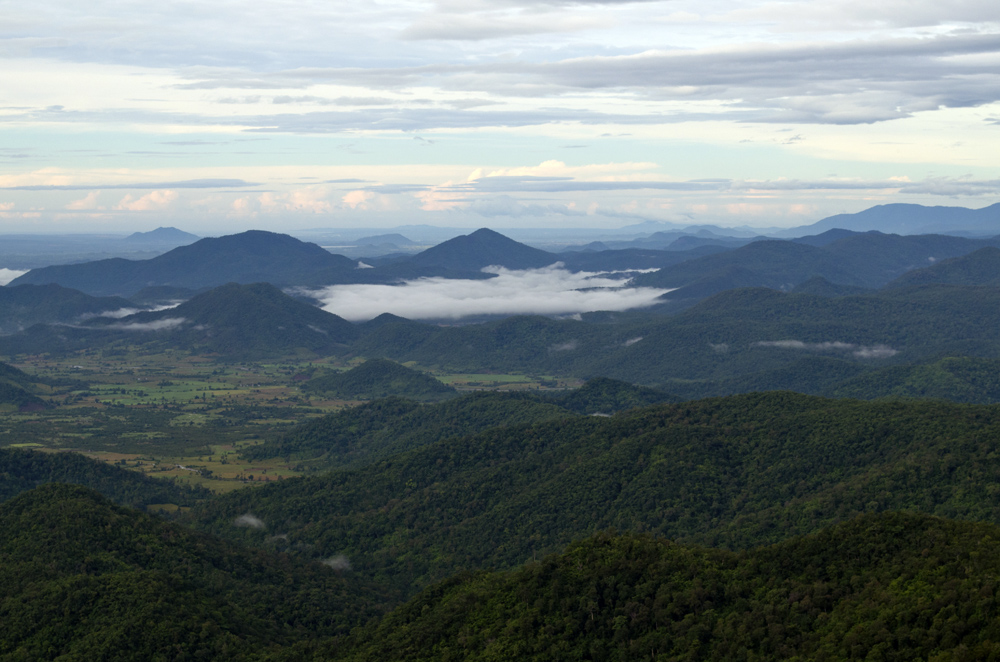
734	472
23	470
83	579
889	587
377	430
248	257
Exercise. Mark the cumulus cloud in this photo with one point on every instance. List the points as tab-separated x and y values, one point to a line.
859	351
549	291
7	275
89	201
152	201
249	520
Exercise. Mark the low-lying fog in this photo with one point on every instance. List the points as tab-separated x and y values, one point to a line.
549	291
7	275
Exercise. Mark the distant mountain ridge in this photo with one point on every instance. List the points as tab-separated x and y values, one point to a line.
163	236
909	219
248	257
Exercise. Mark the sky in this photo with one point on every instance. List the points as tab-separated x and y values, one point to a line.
225	116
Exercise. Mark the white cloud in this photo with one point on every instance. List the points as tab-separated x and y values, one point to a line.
859	351
249	520
549	291
7	275
337	562
158	325
87	202
153	201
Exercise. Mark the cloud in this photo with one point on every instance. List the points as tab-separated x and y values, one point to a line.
338	562
158	325
859	351
7	275
153	201
549	291
185	184
249	520
87	202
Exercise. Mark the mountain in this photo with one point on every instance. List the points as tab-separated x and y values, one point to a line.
163	236
901	584
774	264
482	248
981	267
864	260
84	579
735	472
379	378
244	321
248	257
359	436
22	306
910	219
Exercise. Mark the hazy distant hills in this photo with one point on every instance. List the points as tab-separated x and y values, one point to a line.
860	260
163	236
910	219
248	257
22	306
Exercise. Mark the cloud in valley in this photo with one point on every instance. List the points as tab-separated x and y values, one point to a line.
7	275
859	351
549	291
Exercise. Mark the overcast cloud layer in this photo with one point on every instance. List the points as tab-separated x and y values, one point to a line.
548	291
224	116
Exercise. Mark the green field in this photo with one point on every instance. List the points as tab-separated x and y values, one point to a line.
186	418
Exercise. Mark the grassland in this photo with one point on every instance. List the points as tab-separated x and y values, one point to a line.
186	418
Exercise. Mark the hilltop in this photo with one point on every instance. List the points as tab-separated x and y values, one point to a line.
246	321
248	257
482	248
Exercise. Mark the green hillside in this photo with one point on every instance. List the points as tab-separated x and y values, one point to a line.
23	470
733	472
361	435
979	268
83	579
379	378
887	587
607	396
959	379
